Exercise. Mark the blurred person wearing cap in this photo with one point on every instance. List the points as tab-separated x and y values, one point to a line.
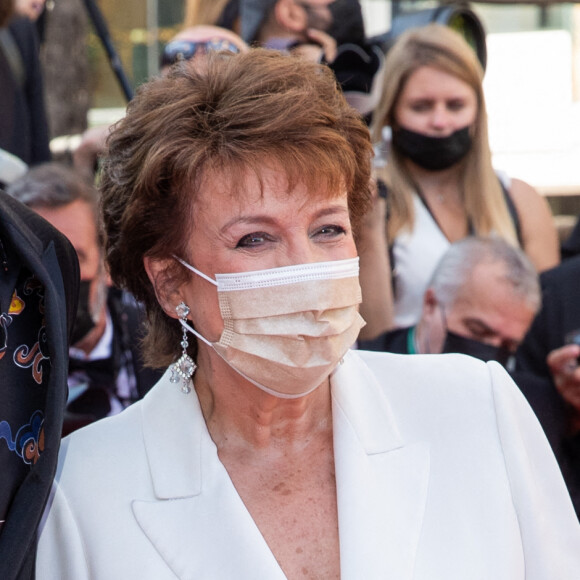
481	300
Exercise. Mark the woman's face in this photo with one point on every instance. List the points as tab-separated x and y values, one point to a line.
435	103
237	230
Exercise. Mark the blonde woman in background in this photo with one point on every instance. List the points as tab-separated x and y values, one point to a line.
438	179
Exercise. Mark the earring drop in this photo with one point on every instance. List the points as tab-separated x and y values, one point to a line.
183	369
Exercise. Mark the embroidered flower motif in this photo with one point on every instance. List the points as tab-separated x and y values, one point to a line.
16	307
28	443
26	357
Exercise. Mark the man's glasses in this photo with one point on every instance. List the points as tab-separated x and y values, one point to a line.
178	50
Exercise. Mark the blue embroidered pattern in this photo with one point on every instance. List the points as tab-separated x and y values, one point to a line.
29	440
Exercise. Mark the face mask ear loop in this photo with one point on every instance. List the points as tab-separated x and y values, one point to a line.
194	270
182	322
194	332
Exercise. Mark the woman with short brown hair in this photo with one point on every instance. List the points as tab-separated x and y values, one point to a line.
269	449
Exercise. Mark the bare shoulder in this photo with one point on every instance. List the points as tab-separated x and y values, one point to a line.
539	235
523	193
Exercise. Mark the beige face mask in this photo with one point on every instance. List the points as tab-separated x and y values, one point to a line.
286	329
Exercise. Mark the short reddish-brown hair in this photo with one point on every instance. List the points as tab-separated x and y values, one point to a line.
227	117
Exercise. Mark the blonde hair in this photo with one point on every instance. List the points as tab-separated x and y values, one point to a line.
440	47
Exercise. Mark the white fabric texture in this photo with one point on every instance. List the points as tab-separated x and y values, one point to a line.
417	253
442	473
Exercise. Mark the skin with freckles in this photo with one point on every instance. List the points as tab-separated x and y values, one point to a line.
265	442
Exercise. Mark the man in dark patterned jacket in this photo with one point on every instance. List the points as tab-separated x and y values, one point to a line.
106	372
39	276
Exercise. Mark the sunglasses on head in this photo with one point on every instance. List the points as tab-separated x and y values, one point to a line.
178	50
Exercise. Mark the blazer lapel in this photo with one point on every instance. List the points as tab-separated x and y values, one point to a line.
201	528
381	481
197	521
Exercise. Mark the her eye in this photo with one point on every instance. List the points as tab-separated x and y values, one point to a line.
420	106
455	105
330	231
252	240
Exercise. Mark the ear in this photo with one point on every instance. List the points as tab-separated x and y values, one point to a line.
291	16
430	303
166	291
431	328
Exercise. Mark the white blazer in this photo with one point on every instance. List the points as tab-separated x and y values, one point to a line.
442	473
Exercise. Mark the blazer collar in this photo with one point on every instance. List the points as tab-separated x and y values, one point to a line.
173	428
381	487
381	479
199	524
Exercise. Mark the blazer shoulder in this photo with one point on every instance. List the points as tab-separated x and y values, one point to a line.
448	373
430	391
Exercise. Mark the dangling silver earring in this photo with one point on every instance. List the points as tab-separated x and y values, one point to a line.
184	368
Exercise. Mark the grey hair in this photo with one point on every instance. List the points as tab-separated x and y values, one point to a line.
53	185
456	265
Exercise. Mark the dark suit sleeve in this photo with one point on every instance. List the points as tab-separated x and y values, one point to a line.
26	37
560	314
393	341
52	259
66	254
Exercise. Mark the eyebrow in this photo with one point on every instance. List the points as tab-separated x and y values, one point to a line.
272	220
509	340
477	321
432	99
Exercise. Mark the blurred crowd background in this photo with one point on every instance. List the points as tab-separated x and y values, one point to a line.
532	49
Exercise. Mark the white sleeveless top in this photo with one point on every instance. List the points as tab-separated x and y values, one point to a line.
416	254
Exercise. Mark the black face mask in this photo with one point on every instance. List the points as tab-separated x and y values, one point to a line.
485	352
84	322
432	153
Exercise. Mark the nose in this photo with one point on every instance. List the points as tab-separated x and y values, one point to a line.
440	118
302	251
